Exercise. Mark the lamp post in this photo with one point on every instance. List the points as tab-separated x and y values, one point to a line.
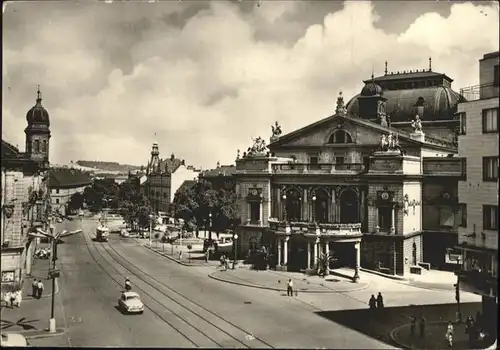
235	239
314	208
284	207
53	272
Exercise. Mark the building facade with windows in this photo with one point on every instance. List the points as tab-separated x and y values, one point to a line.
24	196
164	177
359	183
478	193
63	183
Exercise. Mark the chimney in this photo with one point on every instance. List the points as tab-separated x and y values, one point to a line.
172	157
183	162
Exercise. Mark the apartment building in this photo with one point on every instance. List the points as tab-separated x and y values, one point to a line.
478	193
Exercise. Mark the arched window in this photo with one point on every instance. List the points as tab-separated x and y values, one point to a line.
37	146
340	136
44	146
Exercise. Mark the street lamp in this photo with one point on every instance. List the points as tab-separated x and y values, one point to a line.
53	273
284	207
235	238
314	208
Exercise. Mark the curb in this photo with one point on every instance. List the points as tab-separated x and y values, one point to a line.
392	277
26	334
171	258
331	291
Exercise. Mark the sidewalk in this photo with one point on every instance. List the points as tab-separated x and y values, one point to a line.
277	281
32	318
431	280
195	258
435	337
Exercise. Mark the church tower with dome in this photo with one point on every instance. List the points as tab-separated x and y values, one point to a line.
38	131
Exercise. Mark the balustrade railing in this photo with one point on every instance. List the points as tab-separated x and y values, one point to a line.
444	166
479	92
325	168
312	227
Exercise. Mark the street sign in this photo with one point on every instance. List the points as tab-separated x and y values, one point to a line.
54	273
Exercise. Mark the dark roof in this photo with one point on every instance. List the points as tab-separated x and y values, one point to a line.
440	103
491	55
37	114
223	170
64	177
10	151
170	165
409	76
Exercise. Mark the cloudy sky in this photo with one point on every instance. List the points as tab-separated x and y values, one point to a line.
206	77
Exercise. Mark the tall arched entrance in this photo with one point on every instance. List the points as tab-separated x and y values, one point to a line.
349	207
321	206
293	203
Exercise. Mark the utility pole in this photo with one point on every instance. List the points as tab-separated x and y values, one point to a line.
457	298
53	272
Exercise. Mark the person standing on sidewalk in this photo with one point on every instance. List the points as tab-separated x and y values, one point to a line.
380	301
34	288
289	288
18	298
372	303
449	334
40	289
421	325
413	324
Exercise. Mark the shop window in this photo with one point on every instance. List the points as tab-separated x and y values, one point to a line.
385	218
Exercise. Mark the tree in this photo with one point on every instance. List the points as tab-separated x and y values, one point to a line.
225	211
143	214
76	201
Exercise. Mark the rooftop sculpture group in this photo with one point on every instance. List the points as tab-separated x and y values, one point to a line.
390	143
417	124
259	147
276	130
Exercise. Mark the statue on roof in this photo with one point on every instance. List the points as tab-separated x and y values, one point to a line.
340	110
258	147
276	129
238	154
390	142
383	121
416	124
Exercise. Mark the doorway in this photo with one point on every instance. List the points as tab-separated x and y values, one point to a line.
349	207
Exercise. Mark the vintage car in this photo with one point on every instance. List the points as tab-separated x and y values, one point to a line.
13	340
130	302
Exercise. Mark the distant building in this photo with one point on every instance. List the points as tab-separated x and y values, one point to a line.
164	177
24	196
222	177
63	183
478	193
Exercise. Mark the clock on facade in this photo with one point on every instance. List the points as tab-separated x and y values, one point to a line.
384	195
254	192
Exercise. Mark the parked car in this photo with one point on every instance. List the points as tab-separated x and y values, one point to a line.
130	302
13	340
124	233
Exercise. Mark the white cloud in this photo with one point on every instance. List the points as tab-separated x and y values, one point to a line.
205	89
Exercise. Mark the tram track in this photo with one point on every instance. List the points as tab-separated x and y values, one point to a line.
193	308
119	283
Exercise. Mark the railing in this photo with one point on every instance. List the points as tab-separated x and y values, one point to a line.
251	222
439	142
444	166
479	92
323	168
311	228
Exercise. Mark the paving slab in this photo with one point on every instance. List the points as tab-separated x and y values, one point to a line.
277	281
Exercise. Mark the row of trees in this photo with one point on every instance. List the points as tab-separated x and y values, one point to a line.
125	198
194	205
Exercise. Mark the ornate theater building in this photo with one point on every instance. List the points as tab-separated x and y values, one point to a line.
375	184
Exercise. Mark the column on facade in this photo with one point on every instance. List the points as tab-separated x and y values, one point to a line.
327	248
337	208
393	220
357	247
279	212
261	204
316	243
331	215
308	254
285	251
278	243
362	207
305	211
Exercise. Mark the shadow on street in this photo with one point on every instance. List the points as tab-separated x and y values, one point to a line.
379	323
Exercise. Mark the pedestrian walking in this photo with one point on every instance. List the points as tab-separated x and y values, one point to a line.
372	303
40	289
421	325
289	288
380	301
180	255
12	299
469	323
18	298
413	324
449	334
207	255
34	288
6	298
